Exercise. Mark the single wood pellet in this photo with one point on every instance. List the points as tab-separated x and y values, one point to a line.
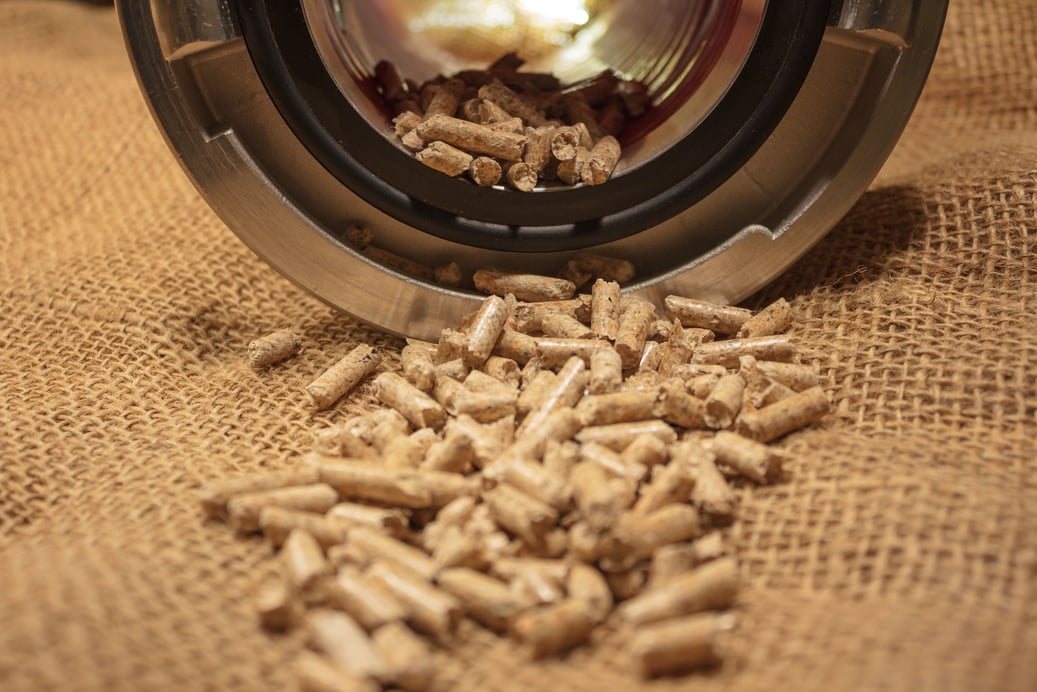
533	479
528	287
340	378
272	348
243	510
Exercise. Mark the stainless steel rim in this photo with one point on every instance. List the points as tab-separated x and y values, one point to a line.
208	100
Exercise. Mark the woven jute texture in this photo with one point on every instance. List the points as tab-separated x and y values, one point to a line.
900	555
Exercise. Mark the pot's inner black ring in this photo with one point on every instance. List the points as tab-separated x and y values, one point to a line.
338	136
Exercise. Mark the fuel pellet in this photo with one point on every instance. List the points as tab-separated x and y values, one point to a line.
618	436
341	377
243	510
776	318
444	158
778	419
708	587
272	348
724	401
421	410
432	610
526	287
486	600
749	458
555	628
722	319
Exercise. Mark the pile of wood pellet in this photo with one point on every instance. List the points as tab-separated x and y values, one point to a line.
544	469
523	128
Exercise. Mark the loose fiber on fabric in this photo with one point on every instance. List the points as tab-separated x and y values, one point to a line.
901	553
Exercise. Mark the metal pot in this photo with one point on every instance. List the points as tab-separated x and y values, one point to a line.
770	120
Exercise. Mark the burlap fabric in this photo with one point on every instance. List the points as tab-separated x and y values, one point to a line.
901	555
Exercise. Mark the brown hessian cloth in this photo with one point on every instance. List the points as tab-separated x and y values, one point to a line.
900	555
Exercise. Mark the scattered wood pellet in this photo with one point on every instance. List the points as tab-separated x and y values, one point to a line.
272	348
243	510
340	378
528	287
680	644
544	469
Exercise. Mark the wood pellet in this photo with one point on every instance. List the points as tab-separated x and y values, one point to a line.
520	130
530	473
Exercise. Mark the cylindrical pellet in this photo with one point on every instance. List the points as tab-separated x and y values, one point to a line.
677	406
515	345
340	378
442	157
711	586
722	319
606	371
792	375
751	459
472	137
618	407
277	607
215	494
598	497
670	484
522	515
647	451
272	348
778	419
390	521
243	510
776	318
619	435
528	317
612	462
317	674
679	645
711	493
345	644
454	453
727	353
605	309
417	407
377	546
418	367
304	564
554	628
565	327
408	661
446	99
521	176
724	401
601	162
366	601
587	584
641	534
484	599
537	481
634	323
538	147
484	171
564	391
485	330
432	610
554	352
527	287
399	487
570	171
276	523
509	101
